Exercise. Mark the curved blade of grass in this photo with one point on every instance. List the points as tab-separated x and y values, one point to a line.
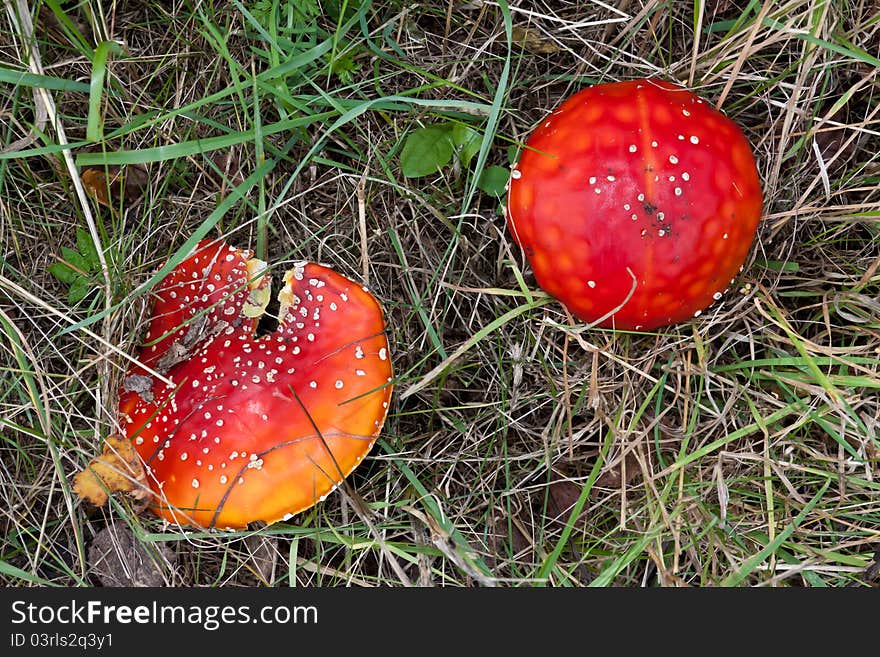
795	361
94	125
70	30
24	79
494	111
194	147
200	146
386	102
42	150
14	571
606	577
848	50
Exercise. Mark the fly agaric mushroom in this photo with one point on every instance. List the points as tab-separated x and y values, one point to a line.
635	203
254	428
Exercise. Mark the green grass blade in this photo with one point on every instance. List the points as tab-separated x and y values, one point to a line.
95	124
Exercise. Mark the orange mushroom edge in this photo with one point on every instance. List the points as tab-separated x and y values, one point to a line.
635	203
247	427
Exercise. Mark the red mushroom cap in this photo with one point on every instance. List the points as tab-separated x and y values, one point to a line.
256	428
641	177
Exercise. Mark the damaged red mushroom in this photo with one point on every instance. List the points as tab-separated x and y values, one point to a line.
635	203
254	427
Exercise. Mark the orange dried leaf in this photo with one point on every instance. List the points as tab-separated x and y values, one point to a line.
113	185
117	469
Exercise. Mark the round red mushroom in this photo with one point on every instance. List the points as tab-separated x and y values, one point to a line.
255	428
635	203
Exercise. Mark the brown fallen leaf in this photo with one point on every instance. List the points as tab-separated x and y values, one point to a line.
562	495
117	470
506	536
532	40
835	147
114	185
